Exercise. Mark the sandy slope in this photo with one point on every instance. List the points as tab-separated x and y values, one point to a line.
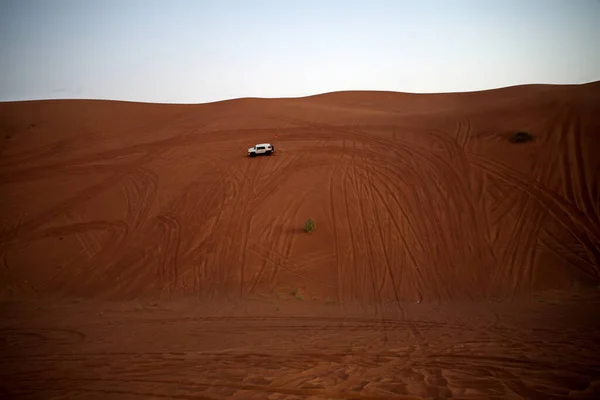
300	350
428	221
416	197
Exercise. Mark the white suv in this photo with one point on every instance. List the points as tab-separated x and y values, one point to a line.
263	148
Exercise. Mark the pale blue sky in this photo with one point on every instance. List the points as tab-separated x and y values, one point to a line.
193	51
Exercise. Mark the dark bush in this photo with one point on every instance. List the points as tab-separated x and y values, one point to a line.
521	137
309	225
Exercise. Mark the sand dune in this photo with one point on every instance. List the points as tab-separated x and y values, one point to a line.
416	197
419	200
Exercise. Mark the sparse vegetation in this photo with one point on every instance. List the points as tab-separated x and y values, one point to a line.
521	137
309	225
296	293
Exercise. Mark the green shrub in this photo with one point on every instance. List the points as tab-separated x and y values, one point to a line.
309	225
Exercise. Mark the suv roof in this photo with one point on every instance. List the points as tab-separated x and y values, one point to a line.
263	144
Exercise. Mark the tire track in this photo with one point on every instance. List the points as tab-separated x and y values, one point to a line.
246	224
398	149
287	241
284	242
558	248
351	231
43	218
408	248
502	206
386	182
374	179
360	185
233	217
581	194
60	278
547	197
463	195
169	250
277	176
359	189
279	265
463	369
248	205
522	245
369	185
207	202
192	216
546	174
369	189
33	224
511	262
570	218
499	368
72	229
117	232
209	253
140	194
338	269
273	181
267	237
310	260
378	194
463	132
140	189
479	364
89	245
116	259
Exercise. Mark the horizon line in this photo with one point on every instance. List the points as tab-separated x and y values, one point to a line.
114	100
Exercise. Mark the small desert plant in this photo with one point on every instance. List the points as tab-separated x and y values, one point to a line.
296	293
521	137
309	225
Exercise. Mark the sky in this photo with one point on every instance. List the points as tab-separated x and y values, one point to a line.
197	51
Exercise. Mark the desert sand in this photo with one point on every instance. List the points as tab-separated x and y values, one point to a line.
144	255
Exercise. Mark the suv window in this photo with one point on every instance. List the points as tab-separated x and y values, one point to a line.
259	148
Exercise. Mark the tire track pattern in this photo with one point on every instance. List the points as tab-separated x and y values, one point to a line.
342	360
411	211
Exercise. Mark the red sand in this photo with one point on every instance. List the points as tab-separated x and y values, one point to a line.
144	255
